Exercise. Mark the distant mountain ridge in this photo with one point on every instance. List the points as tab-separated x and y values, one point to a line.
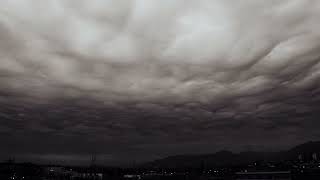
223	158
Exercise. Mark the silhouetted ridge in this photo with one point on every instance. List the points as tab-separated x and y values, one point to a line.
227	158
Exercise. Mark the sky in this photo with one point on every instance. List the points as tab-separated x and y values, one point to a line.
135	80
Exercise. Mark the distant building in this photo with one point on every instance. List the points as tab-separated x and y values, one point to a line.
132	176
314	157
89	176
264	175
55	170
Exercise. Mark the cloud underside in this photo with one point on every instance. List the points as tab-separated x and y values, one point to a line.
158	77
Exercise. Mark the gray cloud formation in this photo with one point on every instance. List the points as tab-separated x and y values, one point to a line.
139	75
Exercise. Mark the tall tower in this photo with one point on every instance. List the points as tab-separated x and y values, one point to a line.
300	157
93	160
314	156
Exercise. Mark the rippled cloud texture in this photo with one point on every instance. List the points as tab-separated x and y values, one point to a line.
157	77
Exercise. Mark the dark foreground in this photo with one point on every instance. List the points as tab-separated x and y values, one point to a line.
288	170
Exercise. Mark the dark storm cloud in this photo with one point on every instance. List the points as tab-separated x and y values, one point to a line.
124	77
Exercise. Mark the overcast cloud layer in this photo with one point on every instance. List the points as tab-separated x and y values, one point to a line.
157	77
